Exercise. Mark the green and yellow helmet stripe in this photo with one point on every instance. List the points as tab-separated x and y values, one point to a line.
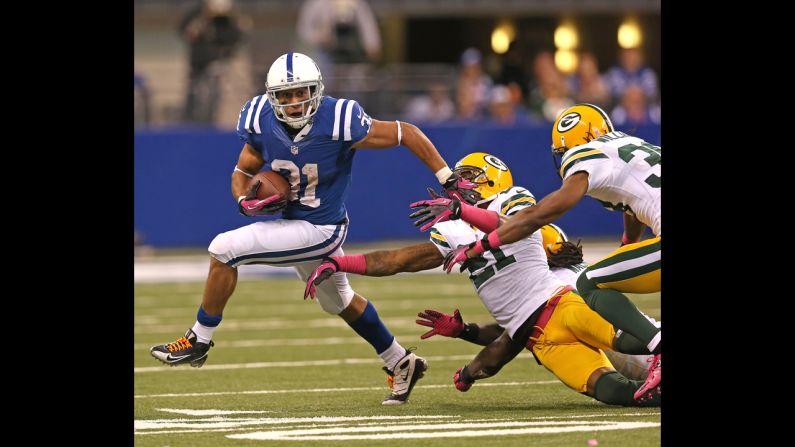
438	239
515	201
581	155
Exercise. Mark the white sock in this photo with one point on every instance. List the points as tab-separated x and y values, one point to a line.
392	354
654	341
203	333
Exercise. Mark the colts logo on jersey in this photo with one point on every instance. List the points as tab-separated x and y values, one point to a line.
294	150
568	121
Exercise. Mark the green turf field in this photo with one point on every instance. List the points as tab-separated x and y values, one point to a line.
283	372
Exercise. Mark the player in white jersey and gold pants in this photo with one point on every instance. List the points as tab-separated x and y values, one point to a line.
621	172
565	261
533	308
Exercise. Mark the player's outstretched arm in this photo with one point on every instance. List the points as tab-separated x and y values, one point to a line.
452	325
378	263
493	357
413	258
488	362
530	219
386	134
548	210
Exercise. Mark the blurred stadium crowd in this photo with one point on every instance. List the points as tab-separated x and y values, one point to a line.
503	62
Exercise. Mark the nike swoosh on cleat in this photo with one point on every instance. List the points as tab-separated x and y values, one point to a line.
174	359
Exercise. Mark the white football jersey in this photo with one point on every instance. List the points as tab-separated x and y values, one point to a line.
569	274
513	280
623	175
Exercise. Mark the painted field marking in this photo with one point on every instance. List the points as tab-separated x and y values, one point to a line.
440	431
334	390
374	427
222	422
210	412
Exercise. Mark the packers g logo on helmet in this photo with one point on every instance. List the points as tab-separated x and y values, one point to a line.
488	172
553	237
578	125
568	121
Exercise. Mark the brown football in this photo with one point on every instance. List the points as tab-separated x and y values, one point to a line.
272	183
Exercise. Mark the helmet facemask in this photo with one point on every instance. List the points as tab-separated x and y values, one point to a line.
308	106
478	177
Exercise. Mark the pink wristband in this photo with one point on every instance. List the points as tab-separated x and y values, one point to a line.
493	241
625	240
351	263
487	221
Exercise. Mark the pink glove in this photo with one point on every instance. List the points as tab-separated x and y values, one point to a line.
435	211
250	205
442	324
257	207
326	268
459	382
457	256
457	187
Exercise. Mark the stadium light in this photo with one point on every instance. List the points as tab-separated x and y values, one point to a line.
566	61
566	37
629	34
502	36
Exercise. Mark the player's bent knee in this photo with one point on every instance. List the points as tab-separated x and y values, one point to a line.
330	306
221	247
332	300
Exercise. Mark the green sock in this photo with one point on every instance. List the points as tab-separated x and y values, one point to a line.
626	343
619	311
614	389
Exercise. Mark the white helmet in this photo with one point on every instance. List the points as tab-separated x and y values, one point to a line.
289	71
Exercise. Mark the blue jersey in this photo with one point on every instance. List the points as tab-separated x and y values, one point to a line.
317	161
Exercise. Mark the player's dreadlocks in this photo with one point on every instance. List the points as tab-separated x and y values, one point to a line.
568	254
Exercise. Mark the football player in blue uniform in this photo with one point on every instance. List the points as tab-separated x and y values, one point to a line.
311	140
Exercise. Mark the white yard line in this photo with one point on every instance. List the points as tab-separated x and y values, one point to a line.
334	390
442	431
210	412
321	428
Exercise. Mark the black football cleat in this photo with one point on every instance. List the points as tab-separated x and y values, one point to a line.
186	349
